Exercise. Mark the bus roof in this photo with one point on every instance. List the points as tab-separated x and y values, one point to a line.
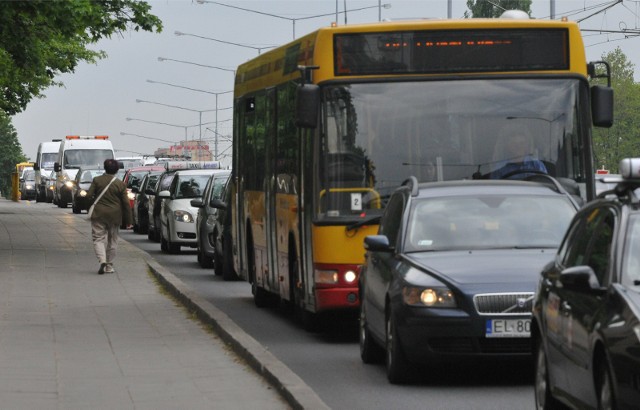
280	65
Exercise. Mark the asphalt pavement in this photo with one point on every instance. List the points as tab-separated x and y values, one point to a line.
135	339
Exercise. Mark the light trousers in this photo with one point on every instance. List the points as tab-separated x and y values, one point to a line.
105	240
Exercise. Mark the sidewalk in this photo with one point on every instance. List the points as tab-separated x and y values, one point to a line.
73	339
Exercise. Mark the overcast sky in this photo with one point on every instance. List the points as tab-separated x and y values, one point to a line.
98	99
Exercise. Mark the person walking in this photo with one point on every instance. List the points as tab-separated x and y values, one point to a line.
111	209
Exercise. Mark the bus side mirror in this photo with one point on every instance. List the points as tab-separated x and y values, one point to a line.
307	105
602	106
36	167
57	167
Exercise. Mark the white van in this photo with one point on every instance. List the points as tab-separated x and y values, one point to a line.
76	151
45	158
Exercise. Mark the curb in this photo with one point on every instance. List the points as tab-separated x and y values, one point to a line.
288	384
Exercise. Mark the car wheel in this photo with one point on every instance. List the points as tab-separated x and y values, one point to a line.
370	352
228	272
171	247
217	259
75	208
606	398
206	262
544	399
397	366
163	245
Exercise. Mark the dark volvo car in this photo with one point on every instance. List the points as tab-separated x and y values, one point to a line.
452	272
586	326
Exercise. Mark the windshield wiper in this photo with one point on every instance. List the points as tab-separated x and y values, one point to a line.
367	221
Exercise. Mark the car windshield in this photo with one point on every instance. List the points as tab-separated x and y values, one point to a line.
88	175
487	222
631	262
30	175
135	177
190	186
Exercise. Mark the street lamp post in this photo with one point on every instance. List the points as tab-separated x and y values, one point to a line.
143	136
217	109
161	123
161	59
293	20
180	33
181	108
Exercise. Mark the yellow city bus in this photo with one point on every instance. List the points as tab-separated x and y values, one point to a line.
328	125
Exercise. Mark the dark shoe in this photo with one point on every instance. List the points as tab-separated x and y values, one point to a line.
102	267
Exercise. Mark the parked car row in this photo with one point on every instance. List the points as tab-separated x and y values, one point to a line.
175	207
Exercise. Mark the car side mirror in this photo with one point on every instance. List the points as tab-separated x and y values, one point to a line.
581	279
217	203
377	243
197	203
164	194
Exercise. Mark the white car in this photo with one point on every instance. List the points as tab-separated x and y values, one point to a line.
177	216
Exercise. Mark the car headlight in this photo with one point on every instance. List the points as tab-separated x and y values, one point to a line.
131	196
438	297
83	193
29	186
69	184
183	216
52	187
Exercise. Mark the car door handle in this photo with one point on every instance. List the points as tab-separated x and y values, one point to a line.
565	308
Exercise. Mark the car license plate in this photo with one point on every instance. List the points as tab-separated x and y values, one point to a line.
508	328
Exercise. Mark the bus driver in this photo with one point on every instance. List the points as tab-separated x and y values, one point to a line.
517	159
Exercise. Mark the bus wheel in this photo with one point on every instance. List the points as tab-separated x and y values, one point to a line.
260	295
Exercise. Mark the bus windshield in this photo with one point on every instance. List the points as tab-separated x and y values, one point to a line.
375	135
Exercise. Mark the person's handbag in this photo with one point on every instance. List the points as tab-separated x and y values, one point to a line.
90	212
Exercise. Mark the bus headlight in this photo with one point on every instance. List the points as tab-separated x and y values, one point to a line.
327	276
350	276
183	216
441	297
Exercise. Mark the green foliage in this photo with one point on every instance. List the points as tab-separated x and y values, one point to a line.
10	154
41	39
622	140
494	8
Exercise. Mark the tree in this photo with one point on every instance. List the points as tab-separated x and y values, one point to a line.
622	140
41	39
10	154
494	8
